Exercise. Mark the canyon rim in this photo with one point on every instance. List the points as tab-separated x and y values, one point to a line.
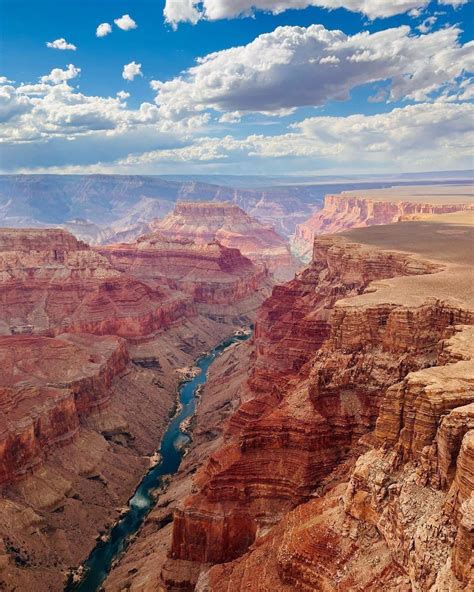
236	296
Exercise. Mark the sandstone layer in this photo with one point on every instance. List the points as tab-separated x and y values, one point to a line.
355	209
51	283
214	276
360	394
90	354
204	222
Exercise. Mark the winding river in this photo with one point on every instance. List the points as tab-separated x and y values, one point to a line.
99	562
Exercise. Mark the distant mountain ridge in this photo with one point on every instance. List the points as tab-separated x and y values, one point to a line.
108	208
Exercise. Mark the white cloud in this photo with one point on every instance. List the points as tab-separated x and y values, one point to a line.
177	11
301	66
156	84
427	24
424	135
61	44
123	95
11	104
125	22
131	70
57	75
103	29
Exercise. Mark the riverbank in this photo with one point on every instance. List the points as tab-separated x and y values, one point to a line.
139	568
101	559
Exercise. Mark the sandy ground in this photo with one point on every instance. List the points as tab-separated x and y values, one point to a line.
447	240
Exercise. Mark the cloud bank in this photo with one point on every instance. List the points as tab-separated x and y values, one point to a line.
309	66
177	11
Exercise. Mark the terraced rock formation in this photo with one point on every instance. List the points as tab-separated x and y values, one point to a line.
356	209
225	222
348	463
215	277
90	361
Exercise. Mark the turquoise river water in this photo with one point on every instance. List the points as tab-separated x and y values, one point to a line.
99	562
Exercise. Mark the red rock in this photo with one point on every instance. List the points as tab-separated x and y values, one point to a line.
327	354
51	283
47	387
210	273
204	222
356	210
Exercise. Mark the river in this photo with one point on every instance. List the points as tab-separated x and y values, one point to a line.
173	443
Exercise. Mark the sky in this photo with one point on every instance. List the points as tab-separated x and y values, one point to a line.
236	86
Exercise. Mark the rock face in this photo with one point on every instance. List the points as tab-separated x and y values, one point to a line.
89	351
51	283
204	222
345	211
210	273
342	351
47	386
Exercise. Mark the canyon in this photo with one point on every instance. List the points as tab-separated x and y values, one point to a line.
228	224
331	451
334	450
361	208
92	355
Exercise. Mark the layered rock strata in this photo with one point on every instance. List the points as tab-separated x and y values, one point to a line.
82	408
356	209
47	387
232	227
51	283
337	352
213	275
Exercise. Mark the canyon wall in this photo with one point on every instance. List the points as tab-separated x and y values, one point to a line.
90	352
51	283
347	356
210	273
345	211
204	222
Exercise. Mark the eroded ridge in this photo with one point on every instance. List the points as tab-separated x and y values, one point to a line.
339	352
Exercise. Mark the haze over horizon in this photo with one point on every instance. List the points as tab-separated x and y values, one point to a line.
293	87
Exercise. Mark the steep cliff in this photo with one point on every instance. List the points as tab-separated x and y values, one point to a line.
360	209
204	222
89	360
211	274
51	283
339	352
47	386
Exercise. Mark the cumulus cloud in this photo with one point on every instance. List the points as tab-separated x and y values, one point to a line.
125	22
51	123
57	75
103	29
192	11
61	44
414	136
301	66
11	103
131	70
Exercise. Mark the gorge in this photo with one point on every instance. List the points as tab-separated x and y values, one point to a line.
334	446
331	468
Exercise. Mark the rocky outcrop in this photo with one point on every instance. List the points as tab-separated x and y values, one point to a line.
51	283
204	222
88	358
345	211
337	357
210	273
47	387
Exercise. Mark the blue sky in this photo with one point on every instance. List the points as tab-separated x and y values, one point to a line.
271	103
